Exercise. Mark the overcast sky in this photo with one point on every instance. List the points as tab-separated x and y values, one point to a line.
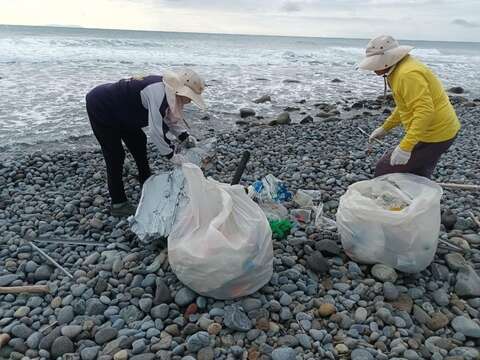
454	20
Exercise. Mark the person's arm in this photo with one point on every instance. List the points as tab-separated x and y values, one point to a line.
152	98
392	121
176	126
416	94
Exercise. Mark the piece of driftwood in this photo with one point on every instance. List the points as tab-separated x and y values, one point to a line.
454	247
367	135
51	260
48	327
71	242
460	186
26	289
475	219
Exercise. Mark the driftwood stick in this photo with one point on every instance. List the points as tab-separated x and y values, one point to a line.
460	186
71	242
454	247
475	219
27	289
366	134
51	260
44	329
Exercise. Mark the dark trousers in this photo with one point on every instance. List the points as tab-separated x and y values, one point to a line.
110	139
423	161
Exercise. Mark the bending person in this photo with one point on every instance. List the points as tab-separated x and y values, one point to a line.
422	108
118	112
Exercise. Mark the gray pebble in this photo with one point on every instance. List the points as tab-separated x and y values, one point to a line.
105	334
361	354
284	353
466	326
198	341
185	297
90	353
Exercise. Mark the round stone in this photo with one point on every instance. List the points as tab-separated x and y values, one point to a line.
185	297
360	315
214	329
198	341
326	310
62	345
341	348
284	353
361	354
384	273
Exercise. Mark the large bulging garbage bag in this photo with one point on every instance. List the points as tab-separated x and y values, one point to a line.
221	243
393	219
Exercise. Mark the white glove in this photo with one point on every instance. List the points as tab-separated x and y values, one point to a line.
399	157
190	142
178	159
378	133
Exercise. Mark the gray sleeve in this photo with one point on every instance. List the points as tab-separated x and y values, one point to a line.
152	98
175	125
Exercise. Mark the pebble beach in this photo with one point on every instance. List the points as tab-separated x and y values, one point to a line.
124	302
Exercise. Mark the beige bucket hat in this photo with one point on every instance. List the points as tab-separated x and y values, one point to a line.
382	52
188	83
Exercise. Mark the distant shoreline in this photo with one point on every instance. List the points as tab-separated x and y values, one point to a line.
78	27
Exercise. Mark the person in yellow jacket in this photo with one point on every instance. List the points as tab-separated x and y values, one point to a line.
422	108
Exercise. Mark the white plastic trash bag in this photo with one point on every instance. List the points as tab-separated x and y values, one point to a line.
393	219
221	243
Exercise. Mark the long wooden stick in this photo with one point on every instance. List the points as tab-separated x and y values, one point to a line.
71	242
366	134
27	289
475	219
51	260
460	186
47	327
451	245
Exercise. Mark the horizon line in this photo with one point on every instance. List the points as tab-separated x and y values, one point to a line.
220	33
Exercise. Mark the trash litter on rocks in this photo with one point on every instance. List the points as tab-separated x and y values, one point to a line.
269	193
302	215
393	219
323	222
281	228
311	209
270	189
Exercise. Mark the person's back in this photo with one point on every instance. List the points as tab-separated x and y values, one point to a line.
123	100
409	76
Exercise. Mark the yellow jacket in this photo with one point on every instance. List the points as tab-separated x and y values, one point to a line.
422	105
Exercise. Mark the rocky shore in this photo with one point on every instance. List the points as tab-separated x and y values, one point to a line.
124	302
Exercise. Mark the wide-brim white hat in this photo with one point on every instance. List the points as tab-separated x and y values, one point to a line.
383	52
186	83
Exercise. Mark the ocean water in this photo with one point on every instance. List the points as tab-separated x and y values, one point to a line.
45	73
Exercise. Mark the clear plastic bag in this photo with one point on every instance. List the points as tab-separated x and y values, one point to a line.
269	189
323	222
372	231
221	242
